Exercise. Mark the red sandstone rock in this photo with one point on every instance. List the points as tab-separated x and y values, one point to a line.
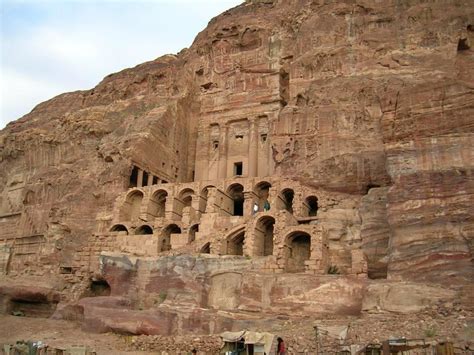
367	106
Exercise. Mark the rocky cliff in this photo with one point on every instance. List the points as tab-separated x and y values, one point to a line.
375	100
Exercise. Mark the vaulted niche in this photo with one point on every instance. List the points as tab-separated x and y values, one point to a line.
298	250
236	193
166	236
131	208
263	243
235	243
287	196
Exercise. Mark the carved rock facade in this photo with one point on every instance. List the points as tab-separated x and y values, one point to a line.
301	137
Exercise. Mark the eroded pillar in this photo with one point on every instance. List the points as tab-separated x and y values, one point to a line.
203	153
140	178
253	148
223	133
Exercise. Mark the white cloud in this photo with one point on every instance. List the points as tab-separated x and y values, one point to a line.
21	93
67	46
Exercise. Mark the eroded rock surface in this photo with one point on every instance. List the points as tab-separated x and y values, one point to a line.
308	137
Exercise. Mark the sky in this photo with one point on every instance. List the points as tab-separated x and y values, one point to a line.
48	47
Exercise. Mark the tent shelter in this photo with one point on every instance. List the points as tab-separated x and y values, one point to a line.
246	343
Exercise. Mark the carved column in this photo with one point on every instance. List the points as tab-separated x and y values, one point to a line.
140	178
223	133
202	163
150	180
204	173
253	148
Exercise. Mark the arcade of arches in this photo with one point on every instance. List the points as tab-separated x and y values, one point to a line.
275	219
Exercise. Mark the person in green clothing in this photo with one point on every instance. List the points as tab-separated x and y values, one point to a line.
266	206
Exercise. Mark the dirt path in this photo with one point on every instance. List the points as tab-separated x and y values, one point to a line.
59	333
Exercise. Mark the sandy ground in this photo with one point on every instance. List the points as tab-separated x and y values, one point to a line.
59	333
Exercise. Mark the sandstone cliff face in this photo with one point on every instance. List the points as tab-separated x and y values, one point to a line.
362	96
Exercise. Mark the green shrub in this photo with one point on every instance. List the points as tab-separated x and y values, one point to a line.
162	296
430	332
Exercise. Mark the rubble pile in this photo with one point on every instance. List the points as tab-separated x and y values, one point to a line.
433	325
204	344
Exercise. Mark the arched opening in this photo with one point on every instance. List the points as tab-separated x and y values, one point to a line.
312	205
298	250
131	208
263	243
119	228
145	229
30	198
204	197
206	249
236	193
235	243
166	240
262	190
99	288
288	195
186	196
157	206
192	232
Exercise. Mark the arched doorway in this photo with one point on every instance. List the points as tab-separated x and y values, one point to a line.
145	229
186	197
131	208
97	288
206	249
192	232
119	228
263	243
312	206
157	207
287	196
235	242
298	250
166	236
236	193
262	190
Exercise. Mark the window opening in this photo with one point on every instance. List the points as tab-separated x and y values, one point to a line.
238	168
134	177
145	179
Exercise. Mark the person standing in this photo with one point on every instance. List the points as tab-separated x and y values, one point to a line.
281	349
255	208
266	206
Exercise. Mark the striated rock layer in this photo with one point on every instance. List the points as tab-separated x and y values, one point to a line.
369	103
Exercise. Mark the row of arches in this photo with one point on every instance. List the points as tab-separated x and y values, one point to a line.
146	229
296	248
156	206
165	232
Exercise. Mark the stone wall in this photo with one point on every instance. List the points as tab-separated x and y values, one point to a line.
365	106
